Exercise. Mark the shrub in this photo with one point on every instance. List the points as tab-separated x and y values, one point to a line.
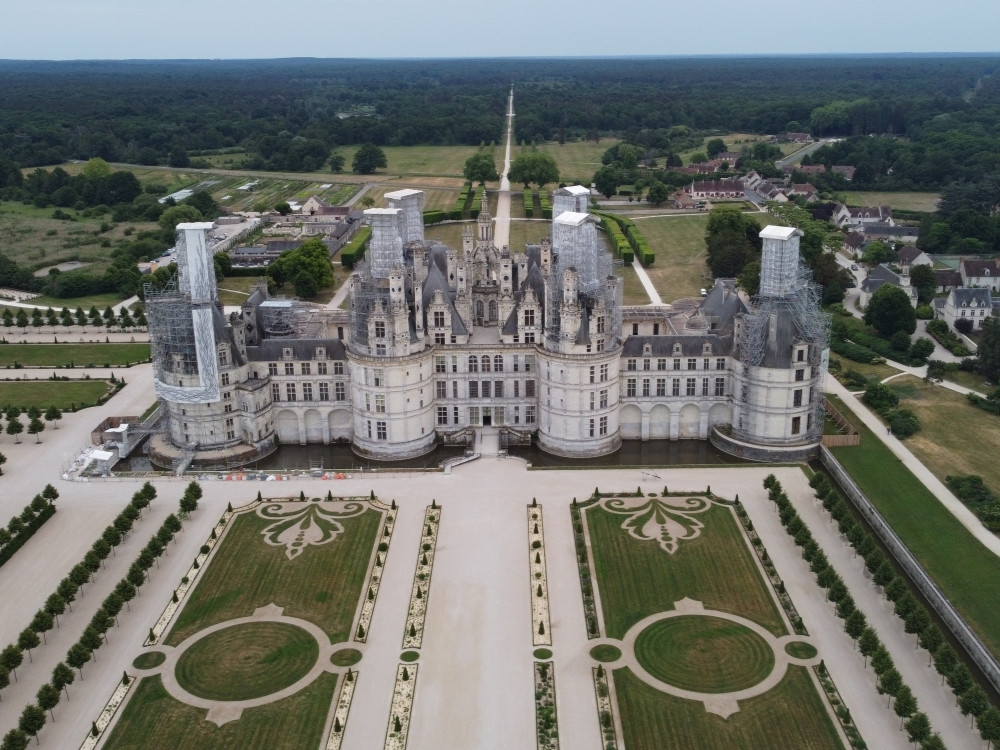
355	249
903	422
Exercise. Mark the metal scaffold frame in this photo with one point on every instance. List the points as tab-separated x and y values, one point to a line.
171	330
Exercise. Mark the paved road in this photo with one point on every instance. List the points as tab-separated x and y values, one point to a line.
796	156
501	230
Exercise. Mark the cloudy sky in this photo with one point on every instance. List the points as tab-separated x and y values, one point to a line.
122	29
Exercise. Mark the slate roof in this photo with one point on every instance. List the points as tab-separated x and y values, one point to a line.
947	277
271	350
980	267
967	296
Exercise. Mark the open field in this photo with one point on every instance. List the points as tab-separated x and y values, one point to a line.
44	393
434	198
100	301
577	160
521	232
153	720
76	355
633	292
903	201
637	579
870	371
322	585
439	161
679	244
944	546
234	290
791	715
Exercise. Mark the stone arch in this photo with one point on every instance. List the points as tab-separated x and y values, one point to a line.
659	422
720	414
630	422
341	423
314	426
690	422
286	424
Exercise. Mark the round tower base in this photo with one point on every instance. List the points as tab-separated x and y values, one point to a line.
763	453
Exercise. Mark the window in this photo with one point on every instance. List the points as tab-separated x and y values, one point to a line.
473	363
321	368
604	373
484	363
485	388
692	386
645	386
289	368
604	425
529	388
225	378
661	386
800	374
368	402
227	395
439	363
630	388
593	400
720	363
381	431
796	425
290	391
797	398
630	365
473	389
223	357
720	386
307	391
529	362
517	389
677	363
379	329
646	364
529	414
635	329
454	389
272	368
656	329
661	364
692	363
454	364
592	425
380	350
439	318
379	376
604	399
704	364
227	408
454	415
339	393
439	339
675	387
441	389
275	392
324	391
442	415
592	371
529	317
498	388
306	369
320	352
498	363
338	368
704	386
600	324
800	355
529	338
473	415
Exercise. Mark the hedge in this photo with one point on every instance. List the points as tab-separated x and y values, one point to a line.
477	202
355	249
545	202
27	531
529	203
853	352
457	212
434	217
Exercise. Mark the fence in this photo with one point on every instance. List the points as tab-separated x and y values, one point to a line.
936	598
850	435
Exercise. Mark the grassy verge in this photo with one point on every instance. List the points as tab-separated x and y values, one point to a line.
44	393
153	720
72	355
679	244
100	301
790	715
321	585
903	201
967	572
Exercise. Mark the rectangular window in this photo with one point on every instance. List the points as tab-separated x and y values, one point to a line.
380	404
225	378
661	386
592	425
379	376
498	388
275	392
704	386
604	399
645	386
454	414
529	388
272	368
646	364
442	415
321	368
227	394
720	363
339	392
379	329
338	368
592	373
630	388
439	318
380	350
306	368
290	391
604	373
324	391
454	364
439	363
441	389
529	338
517	389
796	425
675	387
720	386
661	364
473	389
227	408
529	317
600	324
529	414
692	386
529	363
368	402
289	368
800	374
692	363
485	387
800	355
677	363
454	389
604	425
439	339
474	415
593	400
307	391
630	365
381	431
635	329
797	398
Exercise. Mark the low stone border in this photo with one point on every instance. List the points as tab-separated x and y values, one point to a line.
541	628
413	634
546	718
110	709
199	563
340	714
581	542
398	728
370	595
605	713
837	705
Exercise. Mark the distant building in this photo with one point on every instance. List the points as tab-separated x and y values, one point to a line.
973	304
981	273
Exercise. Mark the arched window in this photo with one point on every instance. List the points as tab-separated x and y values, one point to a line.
473	363
479	309
498	363
484	362
493	309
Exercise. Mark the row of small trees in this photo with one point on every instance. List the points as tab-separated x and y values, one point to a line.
35	424
23	526
36	317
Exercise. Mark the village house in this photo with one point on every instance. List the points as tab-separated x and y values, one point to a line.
946	279
881	275
967	303
980	273
850	216
703	189
913	256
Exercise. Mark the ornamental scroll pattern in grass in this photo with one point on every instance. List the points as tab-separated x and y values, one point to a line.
661	521
298	528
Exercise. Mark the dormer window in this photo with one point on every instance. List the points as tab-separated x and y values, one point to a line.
647	349
286	353
320	352
677	348
706	349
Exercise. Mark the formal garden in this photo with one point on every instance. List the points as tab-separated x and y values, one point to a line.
258	646
694	646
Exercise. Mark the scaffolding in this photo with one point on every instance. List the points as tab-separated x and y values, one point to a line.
385	248
411	203
278	319
171	330
368	297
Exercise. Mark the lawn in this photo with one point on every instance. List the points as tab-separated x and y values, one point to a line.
634	293
434	198
791	715
577	160
153	720
80	355
967	572
234	290
100	301
521	233
321	585
433	161
44	393
870	371
638	578
927	202
680	269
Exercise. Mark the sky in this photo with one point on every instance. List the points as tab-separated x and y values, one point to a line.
130	29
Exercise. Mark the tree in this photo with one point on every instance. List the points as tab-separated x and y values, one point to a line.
283	208
922	348
368	158
905	705
877	252
4	677
607	179
11	658
91	639
305	286
42	622
28	639
337	162
22	319
922	279
533	167
63	677
14	427
889	311
36	427
973	702
918	728
988	354
855	624
48	696
481	168
658	193
715	147
890	682
3	460
988	724
32	720
15	739
175	215
53	414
